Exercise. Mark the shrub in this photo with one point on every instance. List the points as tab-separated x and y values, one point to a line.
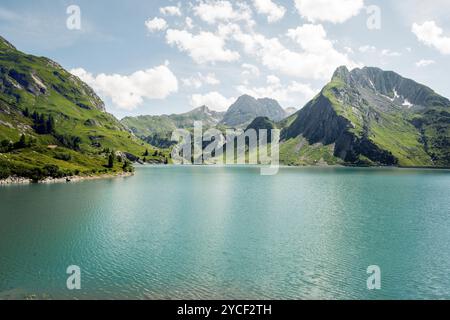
111	161
51	170
71	142
63	156
6	146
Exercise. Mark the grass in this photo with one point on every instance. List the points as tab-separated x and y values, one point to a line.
39	85
298	152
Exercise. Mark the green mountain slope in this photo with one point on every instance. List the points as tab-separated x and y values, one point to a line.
374	117
63	121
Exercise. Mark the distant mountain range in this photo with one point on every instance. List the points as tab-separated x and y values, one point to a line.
247	108
362	117
239	115
157	130
149	125
53	124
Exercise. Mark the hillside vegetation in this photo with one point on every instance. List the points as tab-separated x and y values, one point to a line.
53	124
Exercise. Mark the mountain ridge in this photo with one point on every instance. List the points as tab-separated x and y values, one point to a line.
50	119
246	108
363	114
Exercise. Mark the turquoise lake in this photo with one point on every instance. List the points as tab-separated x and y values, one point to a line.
230	233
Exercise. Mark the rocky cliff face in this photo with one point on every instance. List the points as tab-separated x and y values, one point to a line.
318	122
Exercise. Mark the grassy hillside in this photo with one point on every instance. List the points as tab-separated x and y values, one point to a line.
63	122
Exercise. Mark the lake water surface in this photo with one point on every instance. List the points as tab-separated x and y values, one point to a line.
228	232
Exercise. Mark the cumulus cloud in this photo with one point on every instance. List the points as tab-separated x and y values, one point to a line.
273	11
199	80
250	70
367	49
213	100
223	11
203	47
317	58
349	50
129	91
390	53
171	11
424	63
295	93
430	34
335	11
156	24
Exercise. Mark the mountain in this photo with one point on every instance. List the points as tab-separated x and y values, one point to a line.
247	108
371	117
157	130
51	123
290	111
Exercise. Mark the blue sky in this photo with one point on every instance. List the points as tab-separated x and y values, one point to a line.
154	57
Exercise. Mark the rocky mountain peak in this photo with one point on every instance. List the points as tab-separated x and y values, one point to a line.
342	73
246	109
387	88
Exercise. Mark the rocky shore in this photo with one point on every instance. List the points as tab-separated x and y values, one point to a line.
13	180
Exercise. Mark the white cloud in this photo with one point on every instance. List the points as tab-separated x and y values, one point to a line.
212	100
199	80
349	50
171	11
335	11
317	58
128	92
202	48
156	24
430	34
367	49
389	53
293	94
223	11
425	63
250	70
311	37
273	80
273	11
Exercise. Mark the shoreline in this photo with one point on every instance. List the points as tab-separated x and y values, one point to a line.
299	166
14	180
